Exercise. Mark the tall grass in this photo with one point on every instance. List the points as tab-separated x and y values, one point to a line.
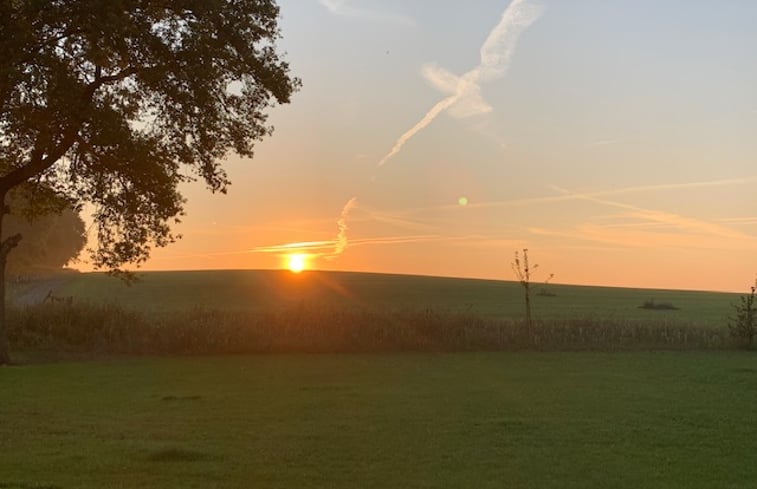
312	328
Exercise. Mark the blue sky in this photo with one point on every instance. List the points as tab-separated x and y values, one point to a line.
616	141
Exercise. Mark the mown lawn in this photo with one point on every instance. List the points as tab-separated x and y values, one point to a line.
531	420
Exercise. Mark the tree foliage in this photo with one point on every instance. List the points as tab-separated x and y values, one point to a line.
118	102
51	241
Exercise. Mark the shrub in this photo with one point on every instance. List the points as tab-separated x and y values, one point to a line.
658	306
742	326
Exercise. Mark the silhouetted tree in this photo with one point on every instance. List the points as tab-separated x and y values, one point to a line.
118	102
51	240
523	273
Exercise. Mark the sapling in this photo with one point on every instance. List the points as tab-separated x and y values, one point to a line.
523	271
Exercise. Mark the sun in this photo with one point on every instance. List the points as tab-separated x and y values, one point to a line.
297	262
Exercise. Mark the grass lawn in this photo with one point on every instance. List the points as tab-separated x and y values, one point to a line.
532	420
254	289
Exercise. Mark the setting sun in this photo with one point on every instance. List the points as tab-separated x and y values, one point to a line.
297	262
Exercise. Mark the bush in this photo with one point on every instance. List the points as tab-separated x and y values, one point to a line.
546	293
658	306
742	326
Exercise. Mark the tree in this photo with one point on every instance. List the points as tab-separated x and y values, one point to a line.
51	240
116	103
523	273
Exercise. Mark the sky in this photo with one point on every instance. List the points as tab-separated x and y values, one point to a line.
615	140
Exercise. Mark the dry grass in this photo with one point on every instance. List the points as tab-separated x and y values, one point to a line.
313	329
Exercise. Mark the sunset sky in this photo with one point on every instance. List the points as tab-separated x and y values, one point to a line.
616	140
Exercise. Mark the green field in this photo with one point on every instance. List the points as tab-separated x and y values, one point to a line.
251	290
421	420
535	420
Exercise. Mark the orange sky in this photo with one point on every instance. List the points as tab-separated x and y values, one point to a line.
615	140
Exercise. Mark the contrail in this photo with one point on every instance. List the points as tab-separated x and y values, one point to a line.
465	90
430	116
666	218
320	248
299	246
341	223
565	197
324	246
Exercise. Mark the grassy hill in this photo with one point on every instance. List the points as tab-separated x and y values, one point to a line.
251	290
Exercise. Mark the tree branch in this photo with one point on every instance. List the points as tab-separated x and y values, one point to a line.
8	244
37	163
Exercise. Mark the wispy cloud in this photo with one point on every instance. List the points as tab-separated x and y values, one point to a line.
652	228
682	223
341	224
325	248
314	246
664	187
332	249
658	239
573	196
492	242
632	226
464	91
398	222
603	142
329	249
346	8
643	227
739	220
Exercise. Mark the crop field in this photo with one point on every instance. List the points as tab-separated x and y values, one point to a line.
524	420
233	312
254	290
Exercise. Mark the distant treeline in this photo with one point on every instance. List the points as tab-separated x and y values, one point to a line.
101	329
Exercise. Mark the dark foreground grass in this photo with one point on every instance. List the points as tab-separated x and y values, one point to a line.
536	420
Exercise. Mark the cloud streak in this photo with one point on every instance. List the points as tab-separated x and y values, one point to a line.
330	249
464	99
345	8
668	218
572	196
625	238
653	229
341	224
325	248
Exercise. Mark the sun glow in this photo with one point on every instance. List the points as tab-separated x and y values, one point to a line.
297	262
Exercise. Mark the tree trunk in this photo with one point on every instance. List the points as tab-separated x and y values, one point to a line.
6	245
5	358
528	305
